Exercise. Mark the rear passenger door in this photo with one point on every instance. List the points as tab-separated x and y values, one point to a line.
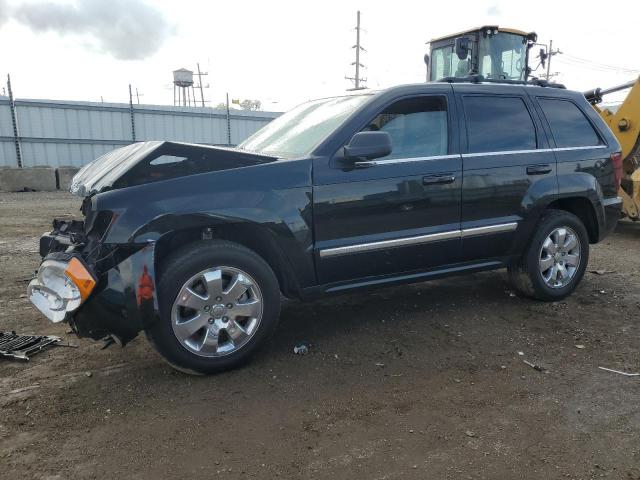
579	147
506	161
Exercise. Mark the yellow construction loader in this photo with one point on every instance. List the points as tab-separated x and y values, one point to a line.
624	122
491	53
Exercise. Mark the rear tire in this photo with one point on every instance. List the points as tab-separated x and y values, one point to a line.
218	302
555	260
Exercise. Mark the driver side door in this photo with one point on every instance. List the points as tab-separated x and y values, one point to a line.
396	215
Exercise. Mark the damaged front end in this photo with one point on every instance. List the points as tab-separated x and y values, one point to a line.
62	283
101	290
99	274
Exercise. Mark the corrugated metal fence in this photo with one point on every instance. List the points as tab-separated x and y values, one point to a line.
65	133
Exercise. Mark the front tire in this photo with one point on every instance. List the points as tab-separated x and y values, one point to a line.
555	260
218	302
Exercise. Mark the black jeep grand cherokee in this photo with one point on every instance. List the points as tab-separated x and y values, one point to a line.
195	244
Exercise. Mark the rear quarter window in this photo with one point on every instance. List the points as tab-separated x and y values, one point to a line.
498	124
569	125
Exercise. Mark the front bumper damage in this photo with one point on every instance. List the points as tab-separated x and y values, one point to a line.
61	284
115	298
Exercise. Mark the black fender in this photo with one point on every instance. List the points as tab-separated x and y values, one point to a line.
124	301
603	214
273	200
539	195
577	192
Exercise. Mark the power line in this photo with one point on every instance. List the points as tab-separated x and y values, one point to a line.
598	64
597	68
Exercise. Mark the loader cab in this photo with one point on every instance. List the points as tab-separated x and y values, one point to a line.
493	52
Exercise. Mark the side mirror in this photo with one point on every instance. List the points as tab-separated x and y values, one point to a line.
368	145
463	45
543	57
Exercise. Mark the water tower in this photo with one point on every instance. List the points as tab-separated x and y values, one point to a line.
182	83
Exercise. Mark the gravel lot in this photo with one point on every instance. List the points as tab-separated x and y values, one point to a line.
423	381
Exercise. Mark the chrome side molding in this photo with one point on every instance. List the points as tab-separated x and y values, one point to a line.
420	239
393	161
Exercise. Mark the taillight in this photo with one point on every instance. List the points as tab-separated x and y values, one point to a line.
616	161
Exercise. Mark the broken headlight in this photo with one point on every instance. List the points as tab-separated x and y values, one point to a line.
60	287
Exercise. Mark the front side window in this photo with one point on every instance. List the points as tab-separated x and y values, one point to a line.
418	127
496	124
569	126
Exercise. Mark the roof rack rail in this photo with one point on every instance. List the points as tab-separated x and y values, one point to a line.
480	79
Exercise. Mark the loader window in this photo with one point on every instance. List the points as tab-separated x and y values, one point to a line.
497	124
569	126
445	63
503	56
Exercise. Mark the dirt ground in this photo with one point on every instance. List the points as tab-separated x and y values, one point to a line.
421	382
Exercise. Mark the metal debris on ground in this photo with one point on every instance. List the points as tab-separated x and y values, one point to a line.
602	272
620	373
20	347
301	349
534	366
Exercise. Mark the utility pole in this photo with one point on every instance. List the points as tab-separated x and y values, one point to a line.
14	121
133	123
228	122
550	55
200	74
357	80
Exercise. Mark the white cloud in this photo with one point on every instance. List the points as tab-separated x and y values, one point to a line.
285	51
126	29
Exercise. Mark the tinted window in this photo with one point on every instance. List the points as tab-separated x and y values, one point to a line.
568	124
497	124
417	127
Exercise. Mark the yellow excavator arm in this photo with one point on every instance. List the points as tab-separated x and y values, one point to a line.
625	125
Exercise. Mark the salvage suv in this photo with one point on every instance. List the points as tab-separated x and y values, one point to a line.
196	245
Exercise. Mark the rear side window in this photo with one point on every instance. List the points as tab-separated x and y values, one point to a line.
570	127
497	124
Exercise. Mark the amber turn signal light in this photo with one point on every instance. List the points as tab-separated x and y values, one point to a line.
81	277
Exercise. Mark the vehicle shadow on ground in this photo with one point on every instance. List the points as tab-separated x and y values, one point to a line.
418	306
379	317
628	229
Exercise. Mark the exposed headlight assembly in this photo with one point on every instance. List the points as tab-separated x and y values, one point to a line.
60	287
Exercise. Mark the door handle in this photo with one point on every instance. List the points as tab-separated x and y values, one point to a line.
538	169
438	179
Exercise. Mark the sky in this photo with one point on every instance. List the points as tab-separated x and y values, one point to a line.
283	52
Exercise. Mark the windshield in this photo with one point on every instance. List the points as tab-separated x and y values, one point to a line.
299	131
503	56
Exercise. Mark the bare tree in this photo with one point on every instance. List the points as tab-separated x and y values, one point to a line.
250	104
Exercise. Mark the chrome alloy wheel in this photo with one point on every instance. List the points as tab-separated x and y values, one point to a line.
217	311
560	257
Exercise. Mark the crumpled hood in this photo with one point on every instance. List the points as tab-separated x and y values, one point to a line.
153	161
